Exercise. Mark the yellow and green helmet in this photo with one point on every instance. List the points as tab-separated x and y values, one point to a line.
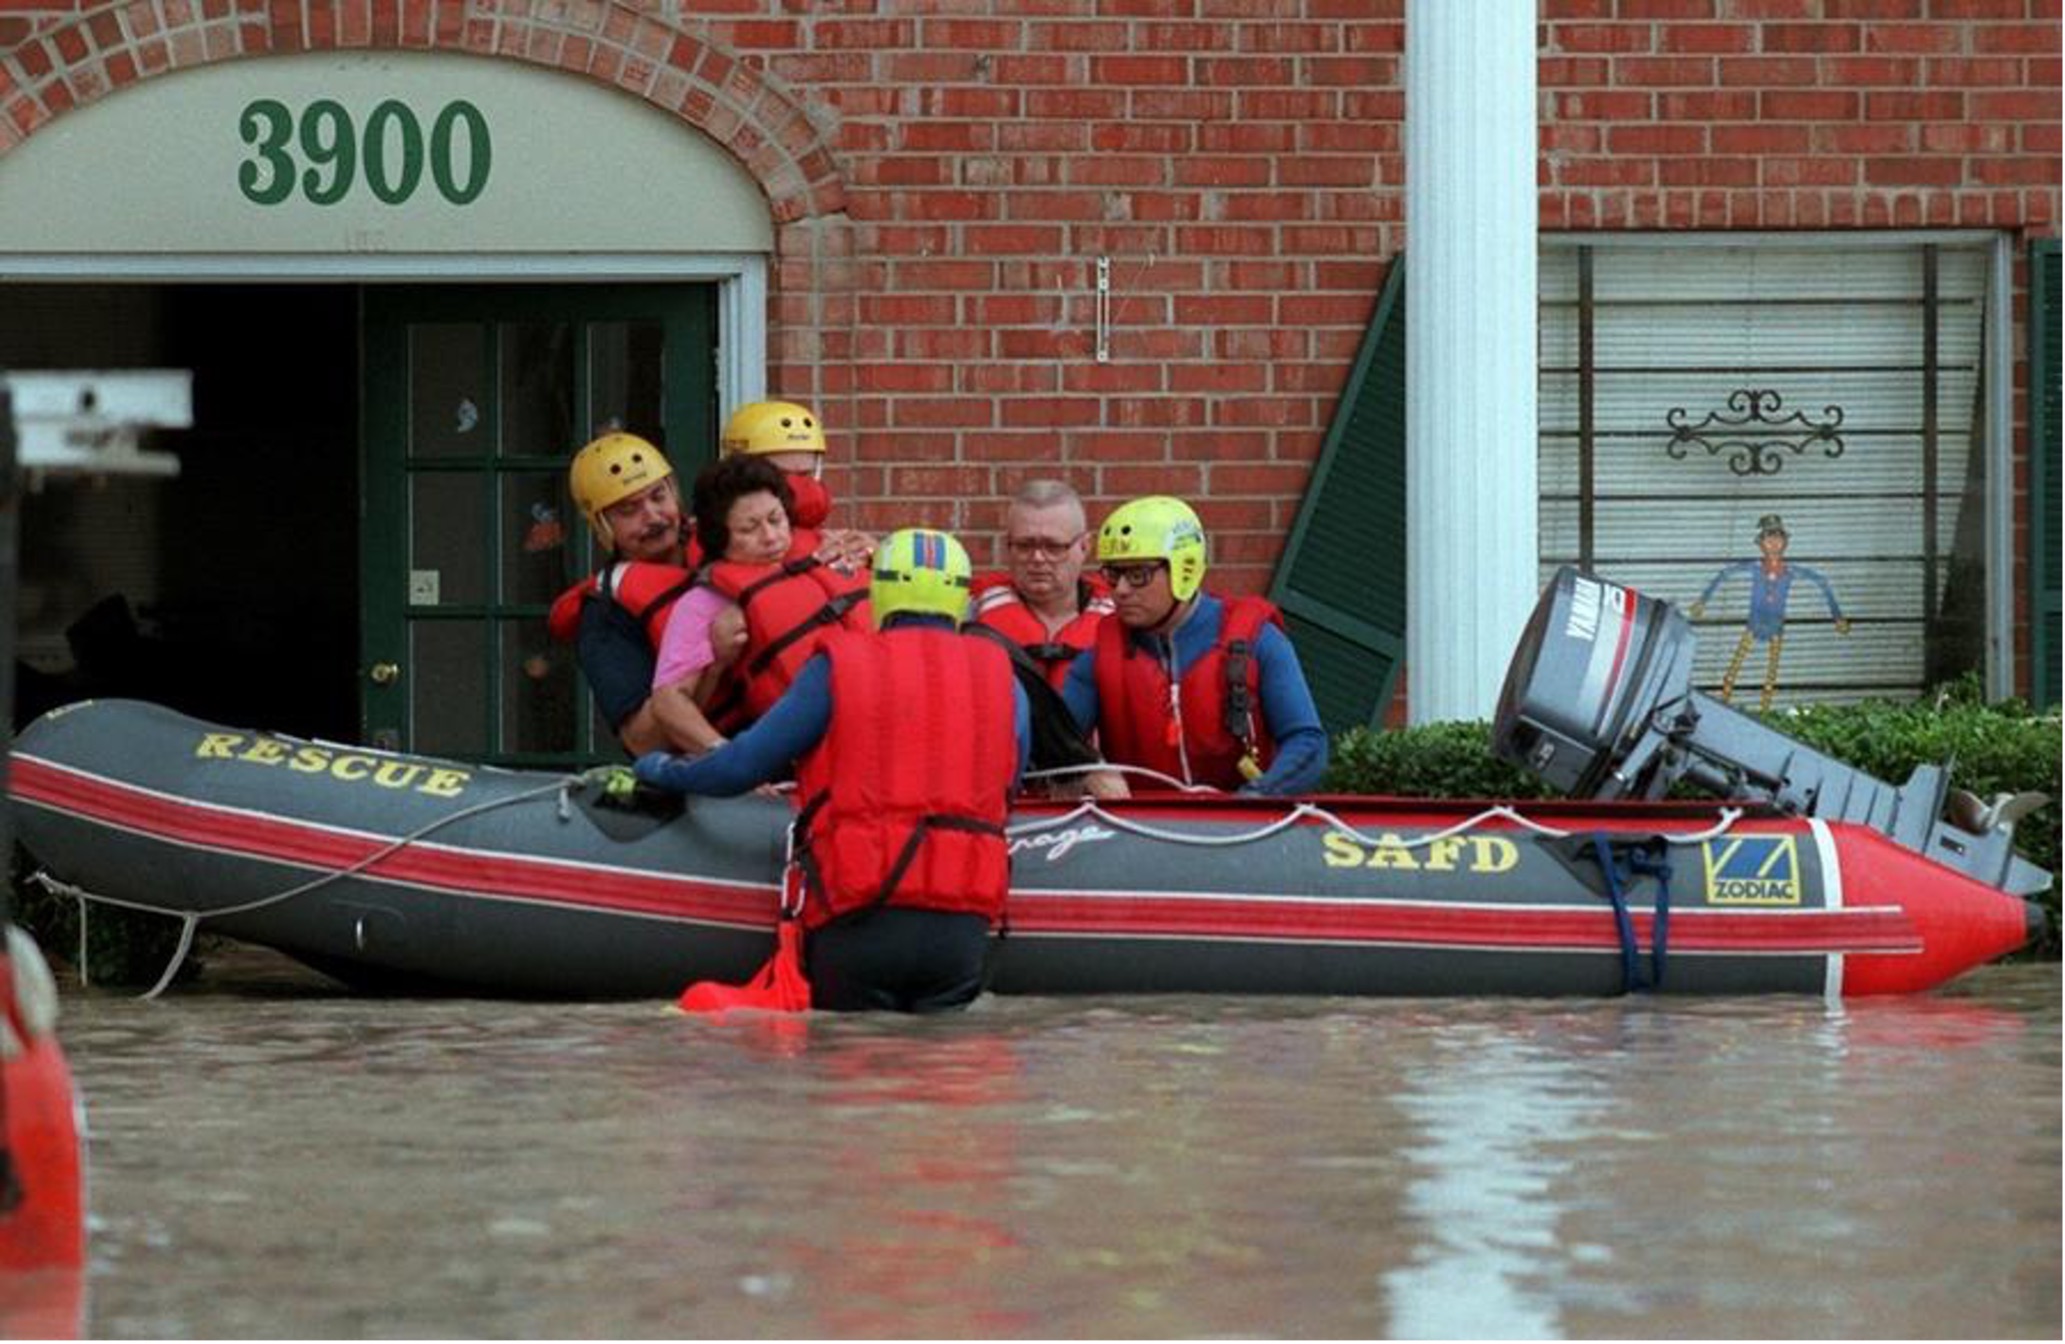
1157	527
920	571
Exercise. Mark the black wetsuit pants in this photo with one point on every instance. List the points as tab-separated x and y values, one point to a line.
903	960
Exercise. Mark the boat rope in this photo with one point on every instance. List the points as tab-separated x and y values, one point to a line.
190	919
1092	809
1113	768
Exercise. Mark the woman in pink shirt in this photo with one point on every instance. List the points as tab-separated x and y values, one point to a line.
741	515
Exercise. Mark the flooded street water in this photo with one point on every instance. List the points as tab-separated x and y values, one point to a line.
272	1157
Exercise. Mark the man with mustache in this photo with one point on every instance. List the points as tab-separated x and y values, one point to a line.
626	490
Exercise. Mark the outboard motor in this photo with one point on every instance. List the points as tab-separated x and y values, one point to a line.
1599	703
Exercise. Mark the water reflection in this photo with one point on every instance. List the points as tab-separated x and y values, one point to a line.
1495	1115
272	1158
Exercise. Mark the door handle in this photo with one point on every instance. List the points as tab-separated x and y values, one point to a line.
384	674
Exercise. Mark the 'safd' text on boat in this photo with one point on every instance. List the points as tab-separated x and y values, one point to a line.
350	766
1486	853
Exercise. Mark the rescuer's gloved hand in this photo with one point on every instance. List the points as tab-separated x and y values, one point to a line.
615	785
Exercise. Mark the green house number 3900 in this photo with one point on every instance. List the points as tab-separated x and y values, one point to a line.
389	152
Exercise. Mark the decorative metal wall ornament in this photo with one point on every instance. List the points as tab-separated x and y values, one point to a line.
1752	435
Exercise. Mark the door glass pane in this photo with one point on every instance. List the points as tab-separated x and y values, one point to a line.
537	389
448	548
447	680
447	389
537	526
624	377
540	698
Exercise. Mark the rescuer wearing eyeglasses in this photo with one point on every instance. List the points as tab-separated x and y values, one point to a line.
907	741
1047	609
1204	689
1046	604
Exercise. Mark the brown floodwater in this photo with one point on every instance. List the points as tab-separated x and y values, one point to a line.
270	1156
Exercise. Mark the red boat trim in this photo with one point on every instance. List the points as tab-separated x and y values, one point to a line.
422	863
1622	640
1884	930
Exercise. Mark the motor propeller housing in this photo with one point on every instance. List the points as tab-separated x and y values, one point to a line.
1598	702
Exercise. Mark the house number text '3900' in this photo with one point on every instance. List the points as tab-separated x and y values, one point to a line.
390	153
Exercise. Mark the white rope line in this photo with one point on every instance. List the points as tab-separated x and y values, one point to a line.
1090	808
563	786
1101	767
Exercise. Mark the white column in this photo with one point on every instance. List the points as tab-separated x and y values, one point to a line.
1471	497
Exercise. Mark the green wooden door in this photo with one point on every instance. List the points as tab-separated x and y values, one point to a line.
475	398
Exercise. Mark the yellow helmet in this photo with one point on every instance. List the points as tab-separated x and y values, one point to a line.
773	427
613	467
1157	527
920	570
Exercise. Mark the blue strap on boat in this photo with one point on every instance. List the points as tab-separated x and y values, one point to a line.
1608	853
1639	861
1609	869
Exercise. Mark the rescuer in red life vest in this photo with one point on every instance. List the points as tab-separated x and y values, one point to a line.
759	606
627	491
616	634
1205	690
1047	607
908	742
1045	604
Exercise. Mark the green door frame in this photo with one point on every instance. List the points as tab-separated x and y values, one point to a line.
389	470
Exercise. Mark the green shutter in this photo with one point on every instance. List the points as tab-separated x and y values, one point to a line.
1341	582
2044	444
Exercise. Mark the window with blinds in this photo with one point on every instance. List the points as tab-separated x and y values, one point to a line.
1793	433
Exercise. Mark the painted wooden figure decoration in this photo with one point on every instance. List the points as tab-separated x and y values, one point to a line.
1771	581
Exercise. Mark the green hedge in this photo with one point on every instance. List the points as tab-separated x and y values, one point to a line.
1991	748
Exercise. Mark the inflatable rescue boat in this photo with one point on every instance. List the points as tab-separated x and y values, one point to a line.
407	872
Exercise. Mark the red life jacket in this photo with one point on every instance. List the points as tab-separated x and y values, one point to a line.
1220	697
789	608
997	605
645	589
905	796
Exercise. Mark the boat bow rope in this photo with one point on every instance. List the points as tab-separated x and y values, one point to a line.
563	786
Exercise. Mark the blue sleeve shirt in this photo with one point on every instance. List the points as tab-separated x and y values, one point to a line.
792	726
1287	707
616	658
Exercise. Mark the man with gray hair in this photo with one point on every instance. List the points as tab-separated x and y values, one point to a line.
1045	604
1047	609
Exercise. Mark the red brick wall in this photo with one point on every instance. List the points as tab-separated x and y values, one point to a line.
945	175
